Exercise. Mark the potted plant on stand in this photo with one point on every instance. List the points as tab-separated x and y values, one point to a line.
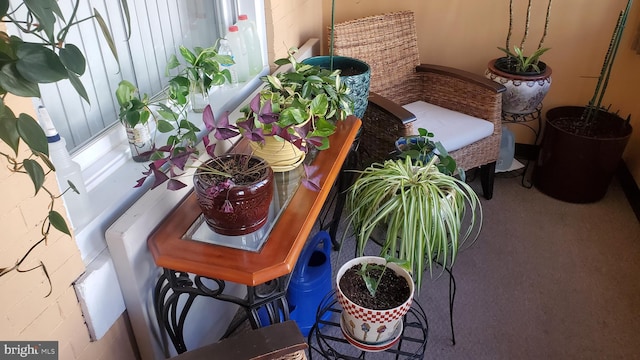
375	293
419	214
582	146
526	78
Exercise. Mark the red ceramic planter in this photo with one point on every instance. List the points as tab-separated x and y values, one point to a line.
250	203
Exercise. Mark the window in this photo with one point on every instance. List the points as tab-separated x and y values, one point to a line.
158	28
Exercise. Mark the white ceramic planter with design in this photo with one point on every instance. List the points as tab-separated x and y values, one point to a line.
369	326
524	92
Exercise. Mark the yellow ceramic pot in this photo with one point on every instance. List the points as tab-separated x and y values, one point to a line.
281	155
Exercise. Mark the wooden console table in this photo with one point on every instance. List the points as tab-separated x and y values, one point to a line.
191	267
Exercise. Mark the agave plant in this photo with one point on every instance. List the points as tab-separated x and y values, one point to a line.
421	210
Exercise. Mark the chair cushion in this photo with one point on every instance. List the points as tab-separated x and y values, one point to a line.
453	129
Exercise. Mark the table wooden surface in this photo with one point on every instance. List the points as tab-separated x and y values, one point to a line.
279	254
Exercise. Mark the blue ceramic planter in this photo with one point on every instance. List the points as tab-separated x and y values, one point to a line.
357	83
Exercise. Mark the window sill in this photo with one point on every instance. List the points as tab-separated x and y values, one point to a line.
110	173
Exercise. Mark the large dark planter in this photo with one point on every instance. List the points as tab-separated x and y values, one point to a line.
525	91
579	168
355	73
250	201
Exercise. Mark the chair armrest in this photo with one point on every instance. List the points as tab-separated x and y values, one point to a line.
393	110
462	75
382	124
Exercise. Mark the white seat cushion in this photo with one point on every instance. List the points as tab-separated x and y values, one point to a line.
453	129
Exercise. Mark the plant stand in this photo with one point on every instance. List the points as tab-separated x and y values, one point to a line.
326	339
452	294
526	120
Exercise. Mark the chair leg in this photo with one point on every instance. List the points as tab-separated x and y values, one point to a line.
487	175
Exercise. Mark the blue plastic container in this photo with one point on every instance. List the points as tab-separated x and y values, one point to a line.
310	281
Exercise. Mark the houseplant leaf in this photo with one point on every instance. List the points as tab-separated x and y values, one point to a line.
106	33
43	10
58	222
12	81
9	128
35	173
32	134
77	84
73	59
39	64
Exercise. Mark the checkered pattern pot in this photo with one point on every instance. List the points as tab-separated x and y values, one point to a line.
366	325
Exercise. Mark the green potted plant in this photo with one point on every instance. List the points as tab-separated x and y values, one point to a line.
374	293
297	107
203	70
419	211
526	78
293	114
582	146
355	73
46	58
167	110
422	148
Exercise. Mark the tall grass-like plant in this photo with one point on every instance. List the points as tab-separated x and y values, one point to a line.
422	210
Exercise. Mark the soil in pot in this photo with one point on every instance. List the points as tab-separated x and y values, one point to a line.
392	292
508	65
239	177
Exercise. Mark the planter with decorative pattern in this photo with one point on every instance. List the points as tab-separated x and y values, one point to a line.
367	326
525	91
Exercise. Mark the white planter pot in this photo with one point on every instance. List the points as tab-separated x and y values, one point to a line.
369	326
524	92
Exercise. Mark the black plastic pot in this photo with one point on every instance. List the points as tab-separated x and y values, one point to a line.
355	73
576	168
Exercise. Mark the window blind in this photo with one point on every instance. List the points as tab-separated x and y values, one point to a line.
158	28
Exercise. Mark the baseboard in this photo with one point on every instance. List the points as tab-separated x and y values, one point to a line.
630	188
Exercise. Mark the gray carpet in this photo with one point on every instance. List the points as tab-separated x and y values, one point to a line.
545	280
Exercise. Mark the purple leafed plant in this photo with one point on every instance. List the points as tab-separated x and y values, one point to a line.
299	107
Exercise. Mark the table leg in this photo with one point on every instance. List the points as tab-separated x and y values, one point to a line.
172	286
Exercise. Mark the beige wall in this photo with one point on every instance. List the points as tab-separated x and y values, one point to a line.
290	23
25	314
466	33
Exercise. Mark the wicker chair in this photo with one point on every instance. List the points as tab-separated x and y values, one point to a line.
388	43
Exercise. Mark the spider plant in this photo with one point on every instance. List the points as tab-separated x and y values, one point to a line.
421	210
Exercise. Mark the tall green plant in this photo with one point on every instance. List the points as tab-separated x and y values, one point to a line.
520	61
595	104
45	58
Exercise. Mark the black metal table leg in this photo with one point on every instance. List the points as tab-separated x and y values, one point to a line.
172	286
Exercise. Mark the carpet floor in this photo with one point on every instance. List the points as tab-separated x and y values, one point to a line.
545	280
